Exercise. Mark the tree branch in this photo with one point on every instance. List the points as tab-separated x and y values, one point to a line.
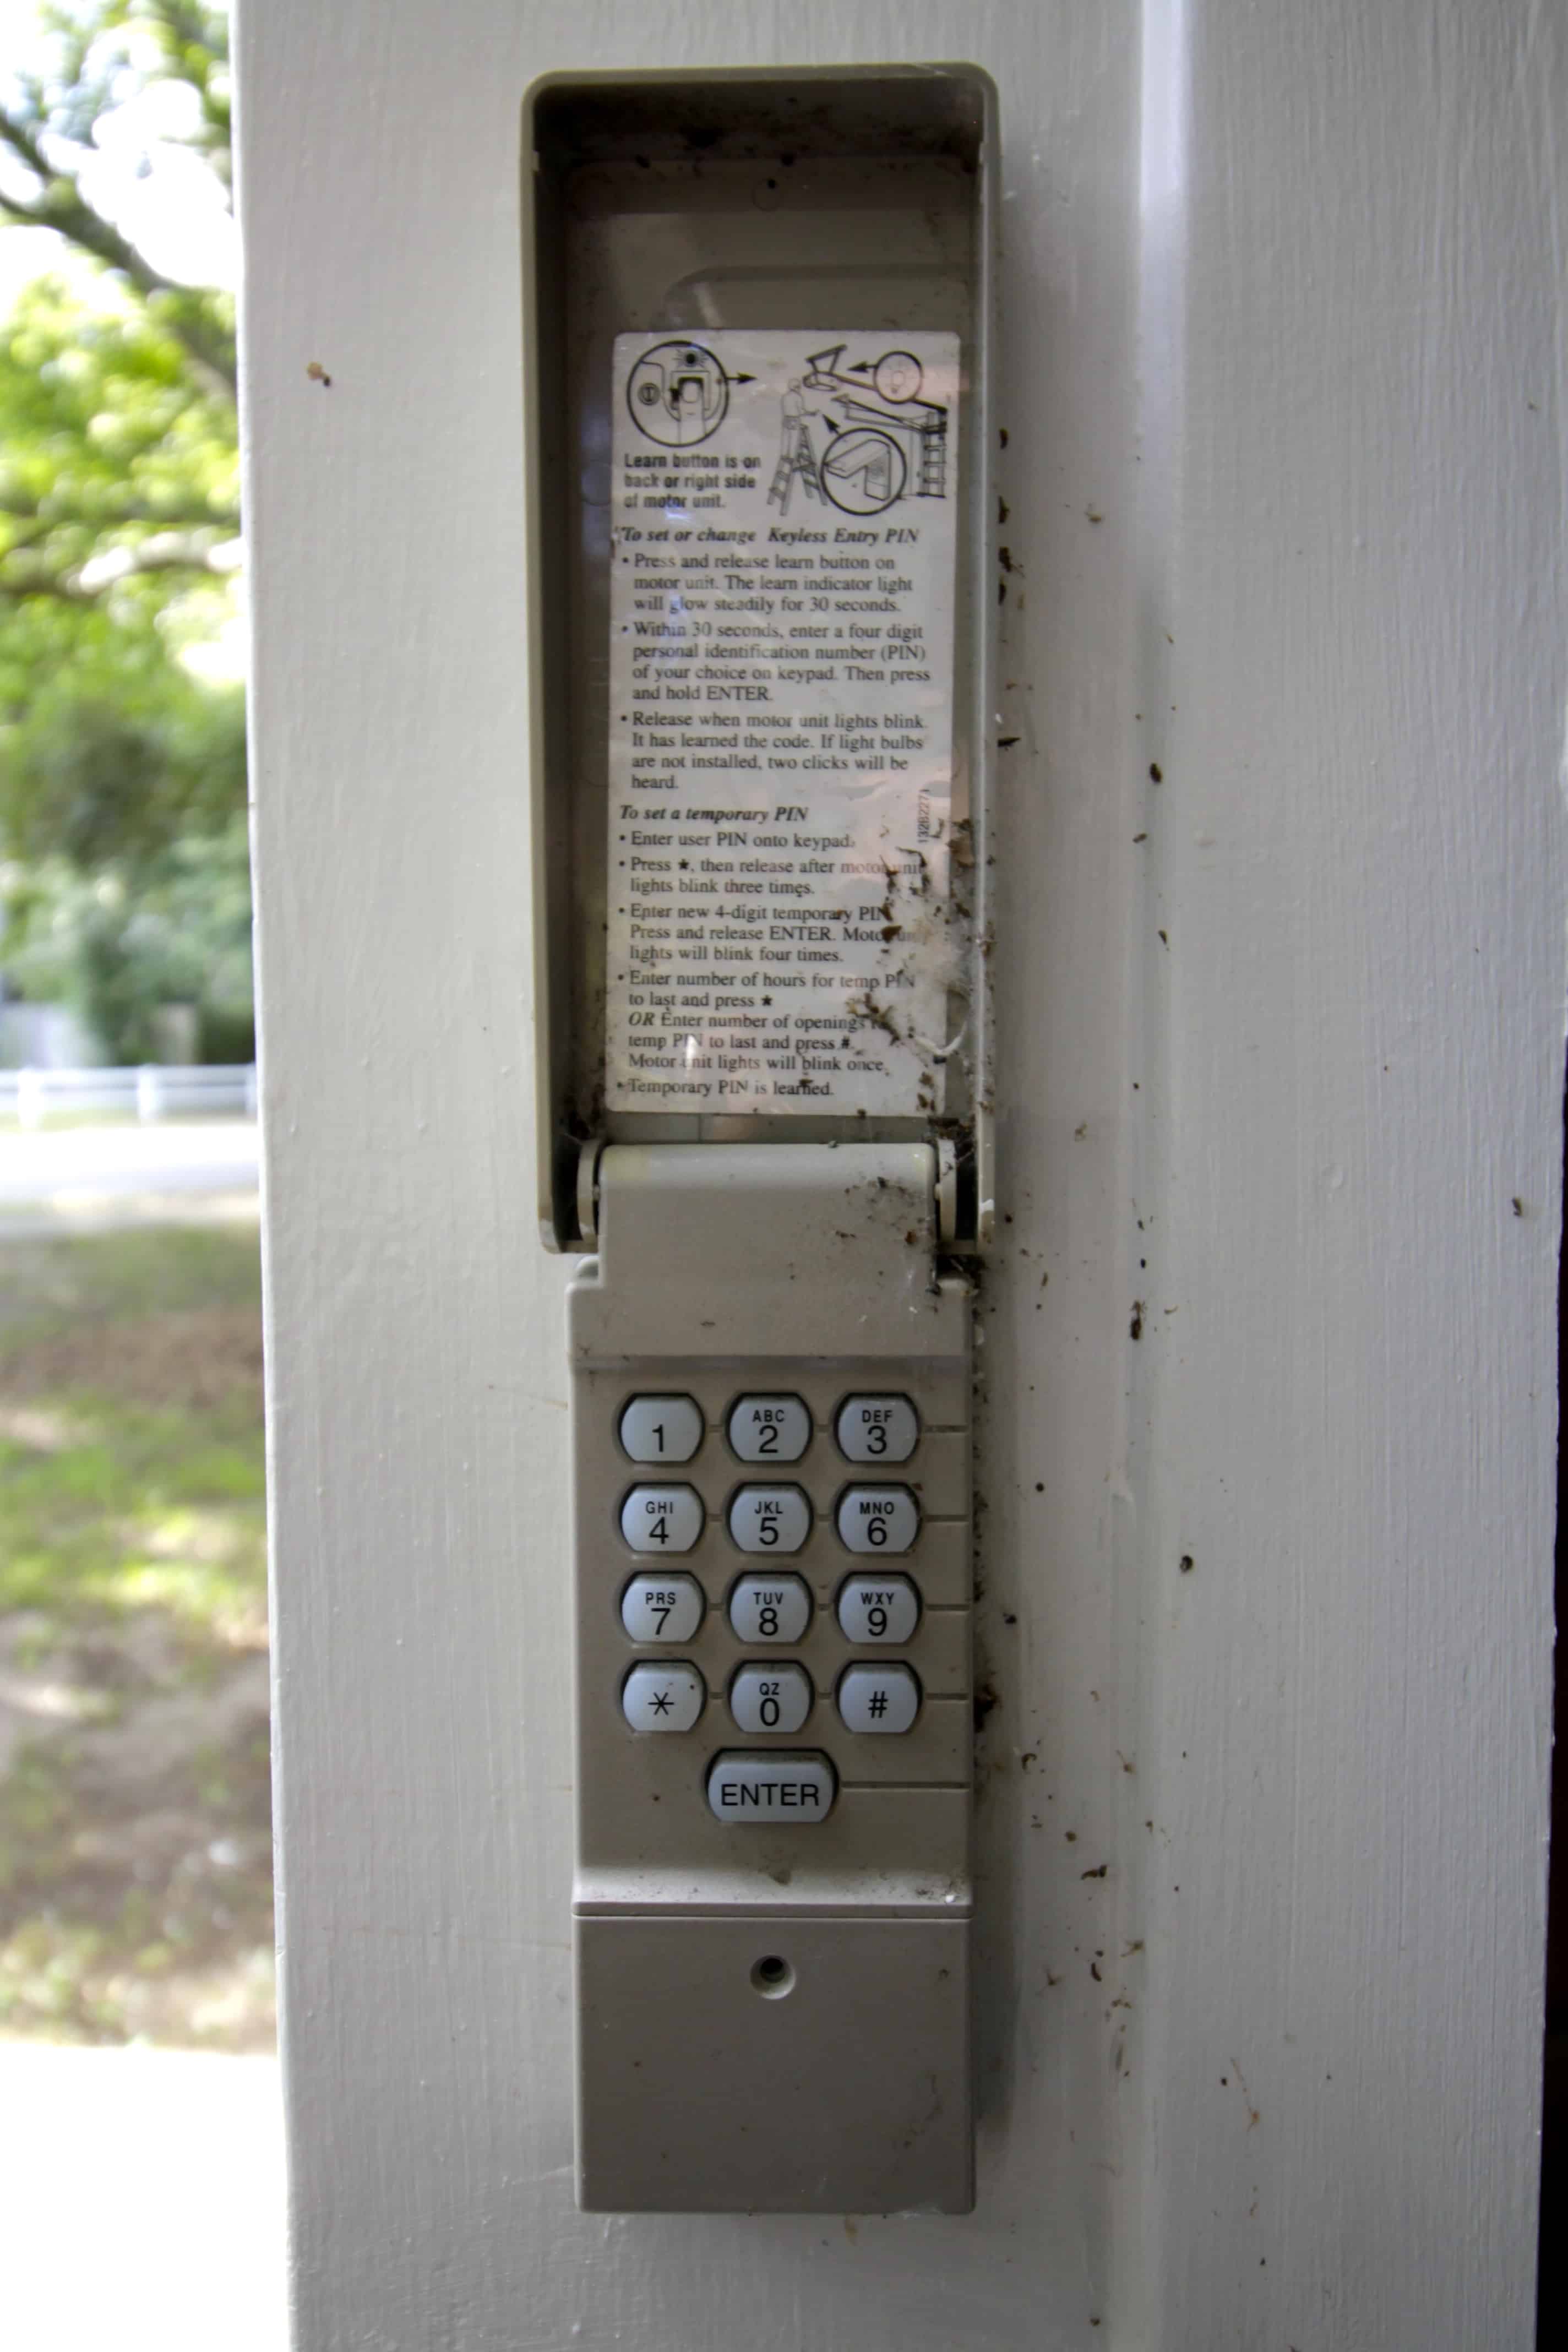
60	205
21	136
51	515
42	582
166	551
25	575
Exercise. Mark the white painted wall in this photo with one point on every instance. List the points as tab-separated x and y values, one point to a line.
1284	471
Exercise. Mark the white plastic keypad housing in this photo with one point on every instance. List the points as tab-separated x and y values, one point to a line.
773	1896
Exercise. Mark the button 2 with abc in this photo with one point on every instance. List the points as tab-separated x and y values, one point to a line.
769	1428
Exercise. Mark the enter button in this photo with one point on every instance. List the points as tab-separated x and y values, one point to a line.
785	1791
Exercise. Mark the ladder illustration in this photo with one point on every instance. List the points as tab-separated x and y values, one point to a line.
931	478
794	457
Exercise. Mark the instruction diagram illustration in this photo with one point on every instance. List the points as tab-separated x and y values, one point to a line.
883	442
678	393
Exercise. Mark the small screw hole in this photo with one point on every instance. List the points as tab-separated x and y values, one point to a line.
772	1978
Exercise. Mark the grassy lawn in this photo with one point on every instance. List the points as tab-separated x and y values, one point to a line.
136	1883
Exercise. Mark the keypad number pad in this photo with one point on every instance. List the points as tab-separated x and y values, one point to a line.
769	1609
877	1609
770	1697
876	1429
876	1606
661	1519
662	1608
769	1428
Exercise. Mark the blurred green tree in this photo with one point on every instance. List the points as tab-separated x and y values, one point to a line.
121	770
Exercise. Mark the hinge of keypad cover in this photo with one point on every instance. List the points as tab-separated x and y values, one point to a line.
749	1250
947	1170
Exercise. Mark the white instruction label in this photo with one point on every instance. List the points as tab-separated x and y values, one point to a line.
781	721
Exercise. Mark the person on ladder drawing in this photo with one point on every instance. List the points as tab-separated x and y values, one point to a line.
794	452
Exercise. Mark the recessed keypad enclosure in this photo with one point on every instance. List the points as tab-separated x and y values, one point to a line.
759	329
774	1702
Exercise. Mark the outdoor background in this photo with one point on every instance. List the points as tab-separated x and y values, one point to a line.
136	1988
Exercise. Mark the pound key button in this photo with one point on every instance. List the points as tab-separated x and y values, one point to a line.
780	1791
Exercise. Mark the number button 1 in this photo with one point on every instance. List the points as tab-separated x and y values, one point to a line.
661	1428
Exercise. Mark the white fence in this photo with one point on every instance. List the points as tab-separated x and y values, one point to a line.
152	1091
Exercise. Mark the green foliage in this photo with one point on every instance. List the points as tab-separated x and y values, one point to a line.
106	54
121	776
107	770
177	932
118	466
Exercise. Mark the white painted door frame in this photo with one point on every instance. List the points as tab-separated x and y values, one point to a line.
1270	1416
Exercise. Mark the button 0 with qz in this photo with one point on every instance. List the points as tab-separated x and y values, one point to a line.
769	1698
662	1519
